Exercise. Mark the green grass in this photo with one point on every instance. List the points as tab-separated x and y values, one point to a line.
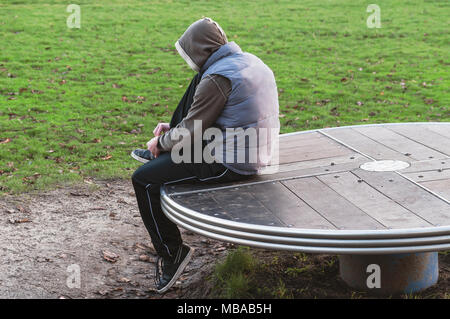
232	277
75	102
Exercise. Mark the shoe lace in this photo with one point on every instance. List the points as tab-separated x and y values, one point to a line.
159	270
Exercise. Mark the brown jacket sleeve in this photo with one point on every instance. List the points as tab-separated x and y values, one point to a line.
209	100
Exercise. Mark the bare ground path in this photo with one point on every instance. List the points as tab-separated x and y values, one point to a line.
94	226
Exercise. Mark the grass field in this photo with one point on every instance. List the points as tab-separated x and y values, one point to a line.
75	102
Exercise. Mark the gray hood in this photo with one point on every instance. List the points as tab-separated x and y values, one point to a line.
199	41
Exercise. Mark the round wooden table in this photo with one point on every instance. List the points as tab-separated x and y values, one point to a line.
376	195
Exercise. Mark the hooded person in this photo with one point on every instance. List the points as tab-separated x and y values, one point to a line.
234	91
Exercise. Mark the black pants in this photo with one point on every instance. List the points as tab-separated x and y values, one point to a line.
148	179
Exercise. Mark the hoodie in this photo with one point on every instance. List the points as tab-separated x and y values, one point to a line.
195	46
199	41
237	92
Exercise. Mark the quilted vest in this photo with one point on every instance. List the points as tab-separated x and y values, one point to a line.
252	106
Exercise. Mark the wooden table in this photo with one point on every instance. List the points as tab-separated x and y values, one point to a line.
373	194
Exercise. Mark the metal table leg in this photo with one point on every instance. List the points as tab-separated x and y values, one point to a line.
390	274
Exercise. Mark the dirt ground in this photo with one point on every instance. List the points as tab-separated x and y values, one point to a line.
95	228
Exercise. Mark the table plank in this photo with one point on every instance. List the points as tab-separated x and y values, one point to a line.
425	136
366	145
399	143
372	202
203	203
440	187
287	207
323	162
298	140
430	165
414	198
428	175
332	206
243	207
305	151
443	130
197	186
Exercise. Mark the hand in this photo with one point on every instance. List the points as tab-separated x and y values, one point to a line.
161	128
152	146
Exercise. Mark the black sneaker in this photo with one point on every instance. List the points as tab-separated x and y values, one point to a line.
168	272
142	156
